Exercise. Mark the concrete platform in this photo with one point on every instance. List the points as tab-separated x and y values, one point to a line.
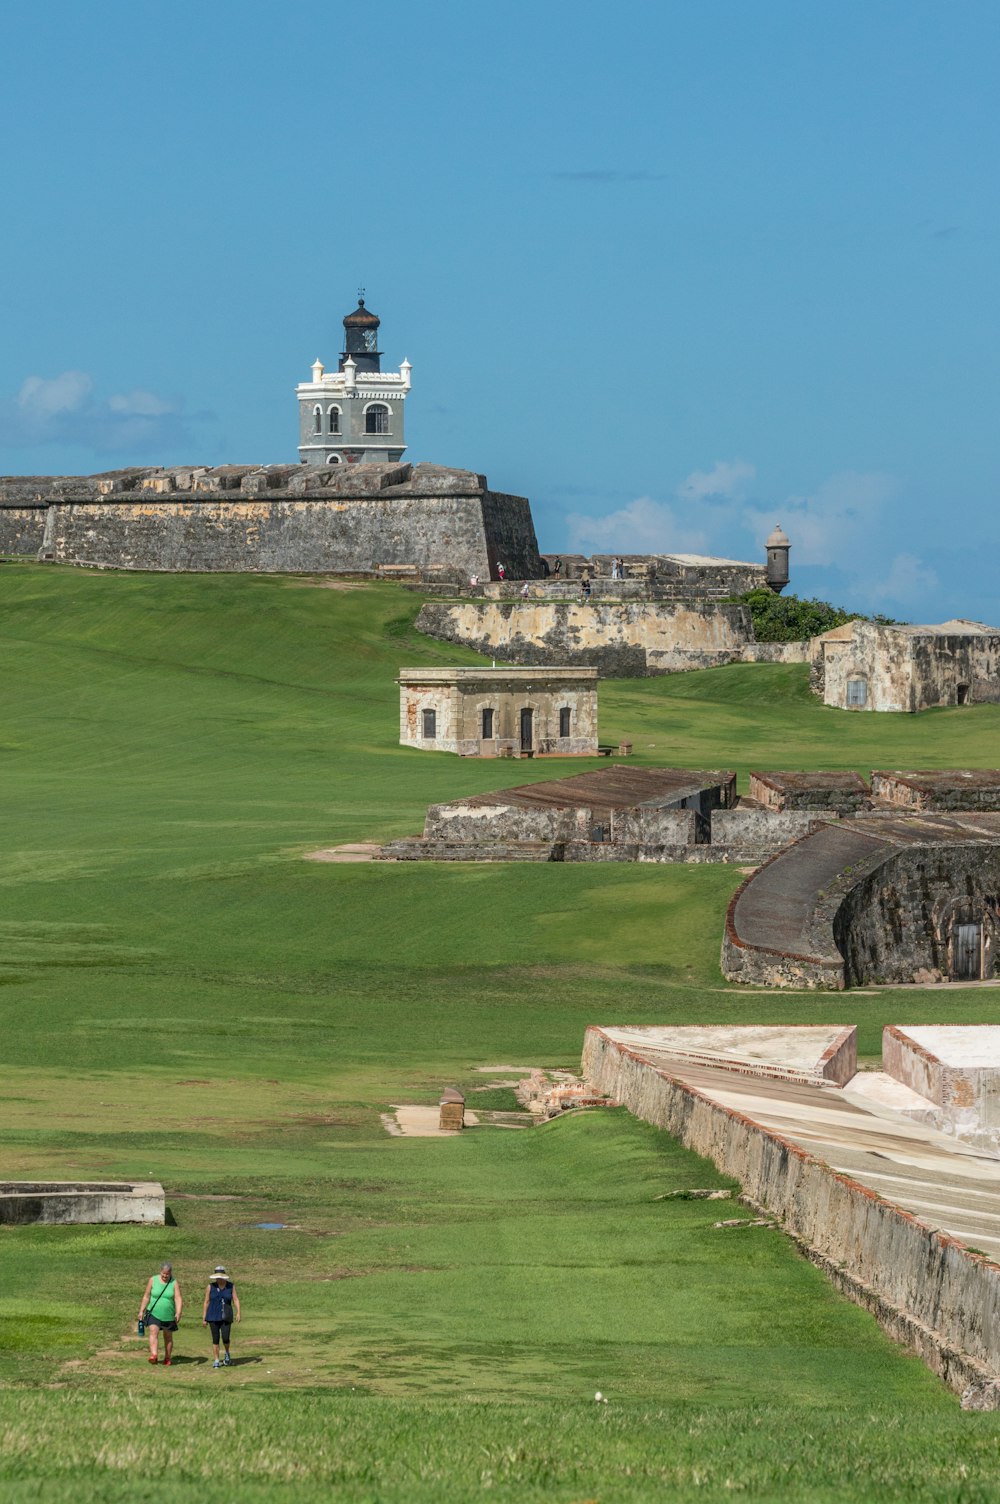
23	1202
810	1053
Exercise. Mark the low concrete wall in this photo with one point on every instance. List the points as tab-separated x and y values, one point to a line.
926	1289
67	1201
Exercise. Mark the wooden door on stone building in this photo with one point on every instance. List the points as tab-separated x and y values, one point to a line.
527	719
966	952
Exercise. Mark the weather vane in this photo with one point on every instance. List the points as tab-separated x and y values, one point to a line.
361	295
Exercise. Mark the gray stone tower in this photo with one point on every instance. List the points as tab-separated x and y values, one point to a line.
356	412
777	547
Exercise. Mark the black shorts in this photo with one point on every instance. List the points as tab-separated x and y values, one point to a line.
220	1329
165	1326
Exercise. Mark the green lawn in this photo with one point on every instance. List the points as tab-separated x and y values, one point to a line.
184	997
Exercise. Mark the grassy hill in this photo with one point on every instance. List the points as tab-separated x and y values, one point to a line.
183	997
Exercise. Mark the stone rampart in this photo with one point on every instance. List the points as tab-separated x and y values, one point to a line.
297	519
925	1288
623	639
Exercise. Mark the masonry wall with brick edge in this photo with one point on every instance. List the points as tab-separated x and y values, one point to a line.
280	519
926	1289
624	639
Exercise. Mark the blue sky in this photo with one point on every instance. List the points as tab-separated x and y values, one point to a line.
676	271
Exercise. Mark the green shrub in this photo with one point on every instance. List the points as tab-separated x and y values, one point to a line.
789	618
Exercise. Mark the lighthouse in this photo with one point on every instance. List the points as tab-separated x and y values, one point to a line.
354	414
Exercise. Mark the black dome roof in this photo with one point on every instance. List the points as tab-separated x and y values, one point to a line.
362	317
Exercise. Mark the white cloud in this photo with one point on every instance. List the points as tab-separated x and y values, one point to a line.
829	525
908	583
142	404
64	410
68	393
644	526
727	481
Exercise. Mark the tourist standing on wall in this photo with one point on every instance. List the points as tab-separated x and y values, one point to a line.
221	1304
160	1310
501	572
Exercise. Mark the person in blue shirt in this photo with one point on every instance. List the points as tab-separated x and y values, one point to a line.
222	1304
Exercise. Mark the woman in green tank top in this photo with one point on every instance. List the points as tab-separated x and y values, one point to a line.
161	1309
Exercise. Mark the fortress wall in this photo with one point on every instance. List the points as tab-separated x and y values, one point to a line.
510	536
624	639
925	1288
274	536
290	518
22	530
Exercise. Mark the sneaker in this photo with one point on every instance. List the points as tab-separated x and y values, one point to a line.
154	1360
216	1364
227	1361
167	1362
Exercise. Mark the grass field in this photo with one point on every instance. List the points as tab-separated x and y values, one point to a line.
183	997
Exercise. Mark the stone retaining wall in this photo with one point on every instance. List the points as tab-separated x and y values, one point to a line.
624	639
925	1288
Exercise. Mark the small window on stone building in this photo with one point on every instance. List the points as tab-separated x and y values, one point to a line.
317	420
377	418
429	718
333	459
564	721
857	692
487	725
334	420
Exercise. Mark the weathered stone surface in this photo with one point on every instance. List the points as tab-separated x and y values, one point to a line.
350	519
623	639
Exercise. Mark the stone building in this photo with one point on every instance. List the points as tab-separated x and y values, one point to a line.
618	813
866	666
496	712
356	412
